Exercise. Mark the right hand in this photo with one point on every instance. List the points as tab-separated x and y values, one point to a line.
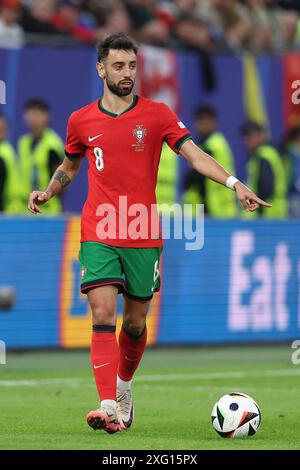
37	198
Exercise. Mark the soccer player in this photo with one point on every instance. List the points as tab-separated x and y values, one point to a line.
122	135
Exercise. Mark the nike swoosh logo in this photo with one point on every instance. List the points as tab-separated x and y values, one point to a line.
101	365
94	138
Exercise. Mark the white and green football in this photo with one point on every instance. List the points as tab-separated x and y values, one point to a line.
236	415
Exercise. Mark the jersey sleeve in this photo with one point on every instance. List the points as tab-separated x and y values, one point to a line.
73	146
174	131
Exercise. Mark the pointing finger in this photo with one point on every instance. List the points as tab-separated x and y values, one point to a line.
261	202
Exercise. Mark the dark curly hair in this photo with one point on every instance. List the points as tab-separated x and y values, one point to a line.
115	41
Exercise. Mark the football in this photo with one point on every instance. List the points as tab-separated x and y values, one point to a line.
236	415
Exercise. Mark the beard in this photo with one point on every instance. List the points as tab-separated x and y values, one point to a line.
117	89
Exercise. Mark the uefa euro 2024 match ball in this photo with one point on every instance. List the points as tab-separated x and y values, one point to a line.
236	415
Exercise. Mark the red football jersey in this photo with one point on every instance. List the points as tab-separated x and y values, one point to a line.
123	152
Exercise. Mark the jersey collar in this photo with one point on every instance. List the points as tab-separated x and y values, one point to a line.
105	111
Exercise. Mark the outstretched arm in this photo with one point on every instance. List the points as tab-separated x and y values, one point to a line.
209	167
62	177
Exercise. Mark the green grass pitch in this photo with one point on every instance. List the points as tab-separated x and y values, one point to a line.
45	396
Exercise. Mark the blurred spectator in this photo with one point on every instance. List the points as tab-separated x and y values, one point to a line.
147	24
68	19
40	152
218	201
260	39
9	182
266	174
283	25
186	7
295	6
11	33
229	22
291	153
297	36
37	18
272	28
193	32
291	30
290	4
108	16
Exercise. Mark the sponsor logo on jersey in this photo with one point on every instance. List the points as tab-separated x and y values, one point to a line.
181	125
94	138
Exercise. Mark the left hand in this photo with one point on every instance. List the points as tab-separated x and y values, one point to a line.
249	200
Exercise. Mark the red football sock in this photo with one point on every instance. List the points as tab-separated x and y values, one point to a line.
105	358
131	352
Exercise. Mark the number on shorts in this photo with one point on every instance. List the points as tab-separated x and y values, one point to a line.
98	152
156	271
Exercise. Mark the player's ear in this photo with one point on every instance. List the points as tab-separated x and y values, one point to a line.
100	69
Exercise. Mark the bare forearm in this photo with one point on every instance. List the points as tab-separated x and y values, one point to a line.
209	167
62	177
60	180
203	163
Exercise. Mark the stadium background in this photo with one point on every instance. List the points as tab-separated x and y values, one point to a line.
50	311
236	301
250	87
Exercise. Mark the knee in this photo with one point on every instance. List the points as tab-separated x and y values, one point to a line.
103	315
134	328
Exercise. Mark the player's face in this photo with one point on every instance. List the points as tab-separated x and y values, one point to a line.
118	71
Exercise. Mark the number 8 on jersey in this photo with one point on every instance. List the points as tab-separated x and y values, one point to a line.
99	158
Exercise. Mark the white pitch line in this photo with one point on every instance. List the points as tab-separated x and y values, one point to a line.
38	382
218	375
77	381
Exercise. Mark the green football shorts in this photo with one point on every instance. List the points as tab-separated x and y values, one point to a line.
135	271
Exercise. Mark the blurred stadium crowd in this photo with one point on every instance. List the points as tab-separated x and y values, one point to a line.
269	26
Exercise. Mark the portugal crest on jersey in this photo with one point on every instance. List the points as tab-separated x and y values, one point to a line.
139	133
